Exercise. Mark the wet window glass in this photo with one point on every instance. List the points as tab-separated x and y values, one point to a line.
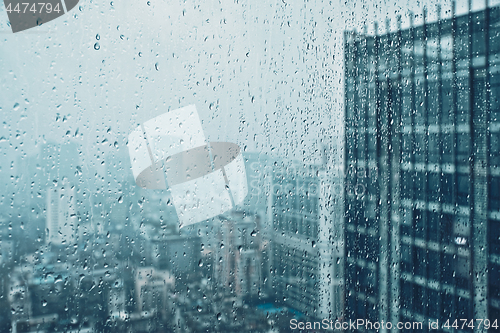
277	166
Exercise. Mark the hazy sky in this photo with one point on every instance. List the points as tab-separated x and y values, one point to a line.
265	74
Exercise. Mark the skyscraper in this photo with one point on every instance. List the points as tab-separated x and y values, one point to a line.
306	242
61	215
422	138
238	256
58	178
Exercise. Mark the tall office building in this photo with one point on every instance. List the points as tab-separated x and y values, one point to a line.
422	152
258	170
61	220
119	191
238	256
57	162
57	174
307	250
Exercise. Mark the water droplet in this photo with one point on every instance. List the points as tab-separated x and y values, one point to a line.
44	303
219	316
16	106
157	66
253	233
97	37
97	46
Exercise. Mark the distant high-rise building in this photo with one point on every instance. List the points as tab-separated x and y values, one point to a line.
61	215
120	189
238	255
179	253
57	173
422	155
258	171
57	162
307	236
151	289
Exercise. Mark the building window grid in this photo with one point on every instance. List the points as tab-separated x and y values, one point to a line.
455	92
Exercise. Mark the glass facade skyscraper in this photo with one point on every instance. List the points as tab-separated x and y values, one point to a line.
422	136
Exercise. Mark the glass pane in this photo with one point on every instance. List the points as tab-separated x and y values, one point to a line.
268	166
